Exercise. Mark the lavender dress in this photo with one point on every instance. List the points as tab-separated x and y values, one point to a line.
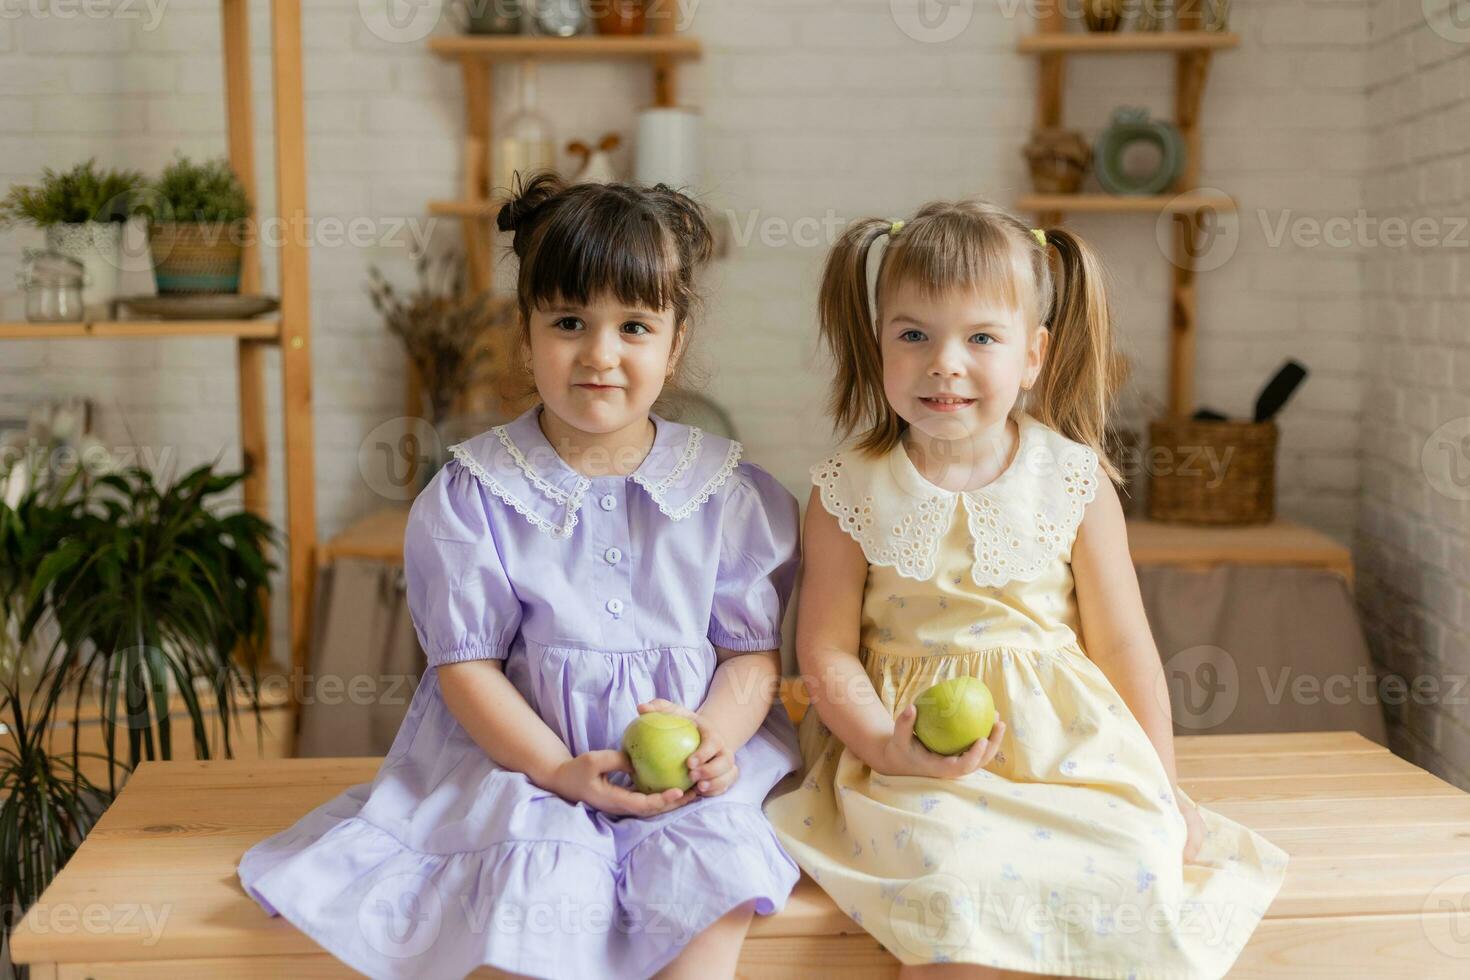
598	594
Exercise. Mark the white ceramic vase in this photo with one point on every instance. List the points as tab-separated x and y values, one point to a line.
98	246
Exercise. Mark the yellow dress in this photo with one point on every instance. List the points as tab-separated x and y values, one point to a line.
1064	856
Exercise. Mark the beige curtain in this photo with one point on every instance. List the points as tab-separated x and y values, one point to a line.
1261	649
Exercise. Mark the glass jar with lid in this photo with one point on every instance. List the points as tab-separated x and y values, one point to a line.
52	283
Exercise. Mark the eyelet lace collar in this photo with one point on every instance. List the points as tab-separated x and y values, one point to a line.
1019	523
516	462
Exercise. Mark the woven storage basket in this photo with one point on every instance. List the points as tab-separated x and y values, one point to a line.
196	258
1212	472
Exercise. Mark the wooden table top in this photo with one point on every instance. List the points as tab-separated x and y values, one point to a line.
1371	837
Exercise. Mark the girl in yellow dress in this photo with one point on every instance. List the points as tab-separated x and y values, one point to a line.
965	534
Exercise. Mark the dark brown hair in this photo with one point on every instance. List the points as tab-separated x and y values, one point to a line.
641	244
973	245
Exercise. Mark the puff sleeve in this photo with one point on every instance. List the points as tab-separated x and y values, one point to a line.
459	597
759	554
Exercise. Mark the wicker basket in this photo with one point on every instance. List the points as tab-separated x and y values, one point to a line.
196	258
1212	472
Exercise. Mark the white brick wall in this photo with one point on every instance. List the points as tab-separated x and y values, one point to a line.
1413	540
810	107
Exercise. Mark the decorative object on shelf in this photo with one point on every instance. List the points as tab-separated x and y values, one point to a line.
448	332
53	284
1058	159
1212	472
197	222
526	144
1130	126
201	306
1153	15
596	163
621	17
559	18
83	212
1220	471
1103	15
1216	15
667	150
489	16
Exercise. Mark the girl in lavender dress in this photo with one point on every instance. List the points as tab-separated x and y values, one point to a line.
582	564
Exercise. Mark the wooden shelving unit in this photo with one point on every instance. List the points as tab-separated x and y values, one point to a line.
1192	48
115	329
1184	203
289	330
1152	542
589	46
476	55
476	207
1054	41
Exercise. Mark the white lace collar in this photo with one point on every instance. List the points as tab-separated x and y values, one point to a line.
516	462
1020	522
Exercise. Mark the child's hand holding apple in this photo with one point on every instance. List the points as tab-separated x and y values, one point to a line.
583	779
949	731
710	767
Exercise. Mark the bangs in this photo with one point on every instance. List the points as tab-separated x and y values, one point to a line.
614	247
954	253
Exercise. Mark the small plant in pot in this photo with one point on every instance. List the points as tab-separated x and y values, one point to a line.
83	212
197	224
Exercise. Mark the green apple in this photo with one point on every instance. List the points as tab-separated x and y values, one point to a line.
659	745
954	714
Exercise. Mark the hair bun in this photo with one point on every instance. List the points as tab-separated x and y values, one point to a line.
527	198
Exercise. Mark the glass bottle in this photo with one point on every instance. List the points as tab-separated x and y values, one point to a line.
526	143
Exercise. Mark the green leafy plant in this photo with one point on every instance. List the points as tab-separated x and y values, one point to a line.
139	584
80	194
195	192
146	586
47	805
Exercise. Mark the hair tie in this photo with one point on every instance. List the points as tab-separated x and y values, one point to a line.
1040	234
893	228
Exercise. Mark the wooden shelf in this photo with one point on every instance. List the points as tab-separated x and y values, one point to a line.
1122	42
1277	543
1193	48
582	47
377	537
1186	202
466	209
252	336
240	329
663	51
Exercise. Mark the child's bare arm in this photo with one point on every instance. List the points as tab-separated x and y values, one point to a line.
828	619
1114	626
494	714
741	692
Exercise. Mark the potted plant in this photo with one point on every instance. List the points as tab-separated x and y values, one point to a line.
83	212
47	803
196	216
152	593
149	593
